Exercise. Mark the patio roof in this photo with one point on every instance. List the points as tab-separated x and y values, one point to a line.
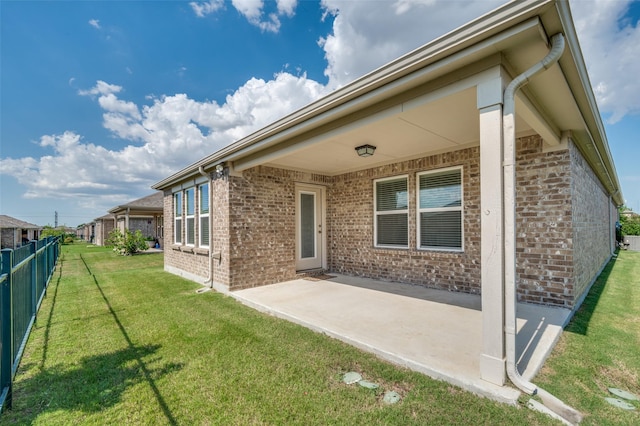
153	203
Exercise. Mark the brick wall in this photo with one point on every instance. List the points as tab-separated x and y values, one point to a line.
593	231
144	224
564	226
561	242
350	211
262	225
219	210
7	236
544	253
103	229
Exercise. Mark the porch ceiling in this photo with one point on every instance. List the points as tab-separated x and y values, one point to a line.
400	133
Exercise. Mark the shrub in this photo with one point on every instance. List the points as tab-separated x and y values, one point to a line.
128	243
629	223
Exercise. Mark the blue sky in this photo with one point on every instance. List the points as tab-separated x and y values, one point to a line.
100	99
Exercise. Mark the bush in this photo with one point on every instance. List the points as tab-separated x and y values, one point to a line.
128	243
629	223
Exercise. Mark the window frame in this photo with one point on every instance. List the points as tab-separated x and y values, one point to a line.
377	213
204	215
189	217
420	210
178	215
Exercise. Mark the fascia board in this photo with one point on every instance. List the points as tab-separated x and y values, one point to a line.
575	71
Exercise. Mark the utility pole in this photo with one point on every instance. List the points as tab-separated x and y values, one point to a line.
56	220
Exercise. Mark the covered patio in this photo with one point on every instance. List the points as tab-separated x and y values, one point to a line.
434	332
471	182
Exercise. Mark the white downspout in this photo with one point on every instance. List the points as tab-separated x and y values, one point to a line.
509	173
210	277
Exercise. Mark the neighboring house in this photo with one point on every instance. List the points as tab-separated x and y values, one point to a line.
438	197
629	214
15	233
144	214
87	231
102	228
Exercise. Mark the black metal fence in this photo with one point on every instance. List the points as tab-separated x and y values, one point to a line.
25	274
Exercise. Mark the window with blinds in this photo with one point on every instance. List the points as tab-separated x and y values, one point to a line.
440	218
177	225
391	202
203	214
189	202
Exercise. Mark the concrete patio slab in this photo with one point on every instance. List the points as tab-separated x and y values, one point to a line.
435	332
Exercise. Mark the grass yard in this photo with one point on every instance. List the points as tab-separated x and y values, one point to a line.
600	348
119	341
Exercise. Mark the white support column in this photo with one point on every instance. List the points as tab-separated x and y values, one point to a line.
492	359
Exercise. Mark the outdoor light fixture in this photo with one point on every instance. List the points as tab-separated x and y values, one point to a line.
365	150
220	168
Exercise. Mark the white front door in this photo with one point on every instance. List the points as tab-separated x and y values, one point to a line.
309	223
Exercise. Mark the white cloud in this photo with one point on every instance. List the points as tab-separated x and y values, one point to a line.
610	47
252	10
366	35
94	23
287	7
203	9
101	88
170	133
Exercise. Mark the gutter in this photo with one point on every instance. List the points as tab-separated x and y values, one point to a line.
568	415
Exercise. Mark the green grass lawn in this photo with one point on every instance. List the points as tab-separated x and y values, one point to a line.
600	348
119	341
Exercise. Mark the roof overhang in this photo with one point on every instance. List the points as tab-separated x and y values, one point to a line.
135	210
426	102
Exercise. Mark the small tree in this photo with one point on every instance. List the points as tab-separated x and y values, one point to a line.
128	243
629	222
49	231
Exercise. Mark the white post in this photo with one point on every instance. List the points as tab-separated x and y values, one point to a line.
492	359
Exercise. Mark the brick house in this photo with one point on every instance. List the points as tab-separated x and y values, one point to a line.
15	233
144	214
102	227
420	173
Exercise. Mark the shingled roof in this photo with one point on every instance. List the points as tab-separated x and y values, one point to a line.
13	223
150	203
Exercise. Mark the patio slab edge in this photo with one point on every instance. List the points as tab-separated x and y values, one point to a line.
504	394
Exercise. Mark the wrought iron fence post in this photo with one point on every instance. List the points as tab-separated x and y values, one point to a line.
45	263
33	246
6	329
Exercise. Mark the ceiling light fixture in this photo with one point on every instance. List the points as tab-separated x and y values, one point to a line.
365	150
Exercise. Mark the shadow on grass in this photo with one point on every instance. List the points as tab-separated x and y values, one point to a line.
98	382
47	329
579	324
142	368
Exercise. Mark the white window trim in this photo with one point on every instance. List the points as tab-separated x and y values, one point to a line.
187	217
376	213
202	216
176	228
441	209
